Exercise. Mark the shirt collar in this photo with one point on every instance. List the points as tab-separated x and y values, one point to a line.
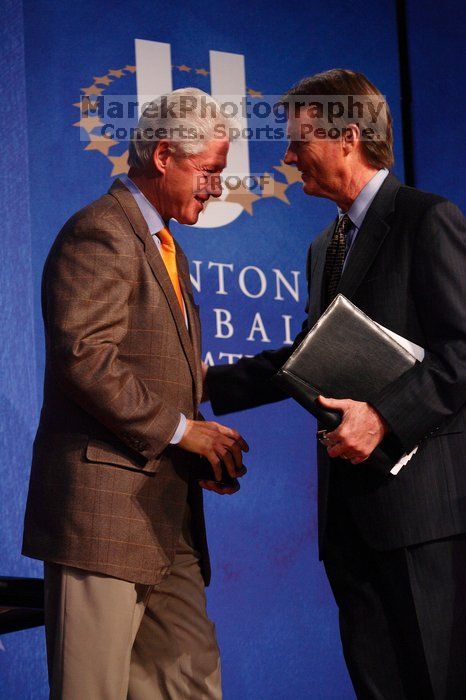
152	217
361	204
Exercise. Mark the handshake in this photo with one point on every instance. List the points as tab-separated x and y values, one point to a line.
361	430
223	448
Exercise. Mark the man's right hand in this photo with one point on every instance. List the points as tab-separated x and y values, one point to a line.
218	444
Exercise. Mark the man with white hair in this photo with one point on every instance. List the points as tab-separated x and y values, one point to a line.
113	508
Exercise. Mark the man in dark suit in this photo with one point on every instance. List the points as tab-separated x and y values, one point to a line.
113	509
394	548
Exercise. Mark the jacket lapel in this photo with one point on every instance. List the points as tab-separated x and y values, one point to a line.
193	318
370	237
319	250
368	241
138	223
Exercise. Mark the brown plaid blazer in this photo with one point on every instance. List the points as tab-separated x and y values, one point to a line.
107	492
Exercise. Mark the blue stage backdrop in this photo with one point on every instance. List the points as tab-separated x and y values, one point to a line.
276	621
438	97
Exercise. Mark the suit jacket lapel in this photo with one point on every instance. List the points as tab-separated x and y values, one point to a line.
366	247
370	237
368	241
193	318
138	223
319	250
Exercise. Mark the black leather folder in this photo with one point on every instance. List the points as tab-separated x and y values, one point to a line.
346	355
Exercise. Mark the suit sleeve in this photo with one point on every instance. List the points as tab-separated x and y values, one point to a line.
249	382
416	405
87	288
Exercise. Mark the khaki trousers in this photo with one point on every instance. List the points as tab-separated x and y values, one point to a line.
109	639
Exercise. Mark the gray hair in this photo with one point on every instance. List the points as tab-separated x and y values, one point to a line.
378	152
188	118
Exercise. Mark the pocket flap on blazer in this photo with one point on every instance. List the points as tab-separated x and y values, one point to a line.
102	452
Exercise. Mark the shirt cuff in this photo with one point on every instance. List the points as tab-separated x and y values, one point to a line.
179	432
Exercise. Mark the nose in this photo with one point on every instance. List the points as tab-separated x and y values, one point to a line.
290	156
214	186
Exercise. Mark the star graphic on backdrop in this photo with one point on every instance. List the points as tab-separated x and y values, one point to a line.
103	80
92	90
116	73
88	123
291	173
241	195
86	105
119	163
272	188
100	143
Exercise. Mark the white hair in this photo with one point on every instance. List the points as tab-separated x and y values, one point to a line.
188	118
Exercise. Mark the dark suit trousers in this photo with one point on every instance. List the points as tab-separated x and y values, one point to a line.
402	612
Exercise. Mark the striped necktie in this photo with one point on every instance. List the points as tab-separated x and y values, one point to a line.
168	253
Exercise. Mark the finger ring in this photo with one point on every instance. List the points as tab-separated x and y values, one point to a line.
324	440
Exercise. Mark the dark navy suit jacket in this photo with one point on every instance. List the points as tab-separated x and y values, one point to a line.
406	271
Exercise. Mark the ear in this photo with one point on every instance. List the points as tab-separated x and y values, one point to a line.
161	156
351	138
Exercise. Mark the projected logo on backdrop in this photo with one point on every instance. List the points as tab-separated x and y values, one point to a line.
251	282
226	73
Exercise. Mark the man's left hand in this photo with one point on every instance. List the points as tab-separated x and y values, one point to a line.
362	428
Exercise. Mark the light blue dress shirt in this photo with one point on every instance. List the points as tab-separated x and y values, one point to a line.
155	224
360	206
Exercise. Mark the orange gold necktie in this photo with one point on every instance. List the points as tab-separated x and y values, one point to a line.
168	253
